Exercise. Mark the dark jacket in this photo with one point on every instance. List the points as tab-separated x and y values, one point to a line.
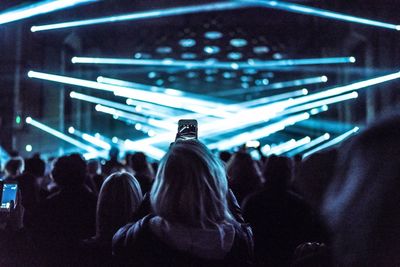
153	241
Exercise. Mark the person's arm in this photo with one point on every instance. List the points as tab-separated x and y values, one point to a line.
234	207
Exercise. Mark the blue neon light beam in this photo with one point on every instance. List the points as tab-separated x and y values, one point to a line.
196	64
39	8
309	145
312	11
176	11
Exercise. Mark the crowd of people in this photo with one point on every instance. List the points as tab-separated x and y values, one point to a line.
339	207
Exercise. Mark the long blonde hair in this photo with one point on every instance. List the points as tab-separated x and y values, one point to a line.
191	186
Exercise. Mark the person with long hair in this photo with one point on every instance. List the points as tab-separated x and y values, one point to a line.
190	224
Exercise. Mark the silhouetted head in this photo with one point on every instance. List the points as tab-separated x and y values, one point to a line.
69	171
35	166
225	156
93	167
362	204
139	162
14	166
119	198
277	172
114	152
191	186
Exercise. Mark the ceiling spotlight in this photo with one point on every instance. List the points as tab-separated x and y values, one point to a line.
238	42
187	42
213	35
211	49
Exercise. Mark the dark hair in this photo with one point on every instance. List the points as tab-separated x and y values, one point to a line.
139	162
35	166
277	172
69	171
14	166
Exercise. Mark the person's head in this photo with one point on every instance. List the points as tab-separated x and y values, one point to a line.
14	166
119	198
225	156
139	162
362	203
191	186
277	172
35	166
69	171
114	153
243	171
93	167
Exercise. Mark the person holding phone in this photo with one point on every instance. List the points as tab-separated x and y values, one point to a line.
191	221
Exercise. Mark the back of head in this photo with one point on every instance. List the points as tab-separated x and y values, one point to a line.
139	162
14	166
362	203
93	167
35	166
119	198
69	171
191	186
243	172
277	172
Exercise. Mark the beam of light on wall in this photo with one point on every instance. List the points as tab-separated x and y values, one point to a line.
213	64
332	142
153	97
312	11
309	145
274	86
137	109
38	8
61	135
262	132
153	123
175	11
195	99
320	103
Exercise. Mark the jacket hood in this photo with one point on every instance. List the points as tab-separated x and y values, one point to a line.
212	243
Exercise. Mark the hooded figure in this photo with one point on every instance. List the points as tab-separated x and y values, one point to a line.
362	204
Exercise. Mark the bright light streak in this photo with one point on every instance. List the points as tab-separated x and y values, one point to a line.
195	99
274	86
266	100
61	135
143	15
332	142
320	103
344	89
153	97
294	145
309	145
258	133
39	8
296	8
96	141
108	103
151	151
208	64
153	123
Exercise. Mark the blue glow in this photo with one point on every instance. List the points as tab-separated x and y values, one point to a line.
143	15
287	146
296	8
60	135
212	49
39	8
235	55
238	42
188	55
274	86
187	42
164	50
332	142
252	64
213	35
309	145
258	133
261	49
